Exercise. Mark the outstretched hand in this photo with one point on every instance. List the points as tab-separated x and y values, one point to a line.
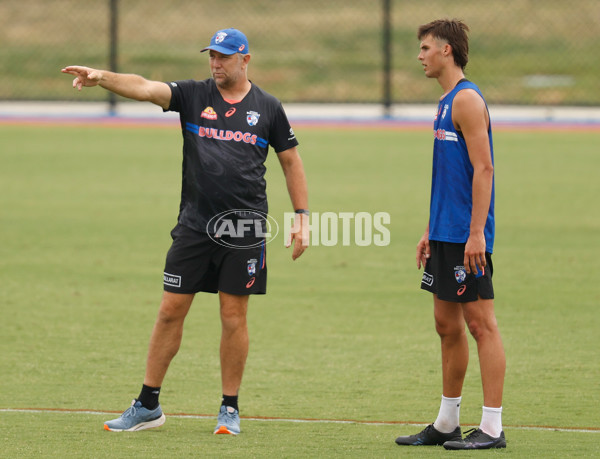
84	76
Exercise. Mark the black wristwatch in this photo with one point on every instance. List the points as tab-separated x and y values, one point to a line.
302	211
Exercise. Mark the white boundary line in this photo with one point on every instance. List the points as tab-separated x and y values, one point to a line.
308	421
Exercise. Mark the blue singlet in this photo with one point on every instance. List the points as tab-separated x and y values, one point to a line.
452	178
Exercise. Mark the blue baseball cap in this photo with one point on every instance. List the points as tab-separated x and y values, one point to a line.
228	41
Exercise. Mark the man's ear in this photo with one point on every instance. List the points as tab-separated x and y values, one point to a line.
447	49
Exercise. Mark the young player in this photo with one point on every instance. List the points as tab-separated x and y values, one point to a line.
456	248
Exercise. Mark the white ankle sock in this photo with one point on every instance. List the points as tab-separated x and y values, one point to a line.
491	421
448	417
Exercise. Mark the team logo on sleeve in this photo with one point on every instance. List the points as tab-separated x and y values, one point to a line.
252	118
209	113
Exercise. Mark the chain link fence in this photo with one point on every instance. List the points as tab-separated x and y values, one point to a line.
522	51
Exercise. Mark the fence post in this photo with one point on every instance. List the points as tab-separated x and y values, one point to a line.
387	58
113	42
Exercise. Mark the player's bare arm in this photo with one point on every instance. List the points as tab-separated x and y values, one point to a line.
293	170
131	86
470	116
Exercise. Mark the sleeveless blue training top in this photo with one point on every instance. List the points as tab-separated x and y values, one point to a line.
452	178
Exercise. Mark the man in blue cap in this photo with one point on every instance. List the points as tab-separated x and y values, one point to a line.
228	124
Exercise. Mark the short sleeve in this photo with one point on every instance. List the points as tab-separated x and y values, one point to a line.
180	92
282	135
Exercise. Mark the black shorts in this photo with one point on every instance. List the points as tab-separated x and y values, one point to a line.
445	275
197	263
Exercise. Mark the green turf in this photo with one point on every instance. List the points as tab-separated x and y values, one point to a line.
344	332
67	435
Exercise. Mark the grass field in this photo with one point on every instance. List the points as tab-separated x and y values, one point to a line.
344	333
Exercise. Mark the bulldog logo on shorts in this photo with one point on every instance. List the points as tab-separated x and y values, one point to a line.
252	266
460	274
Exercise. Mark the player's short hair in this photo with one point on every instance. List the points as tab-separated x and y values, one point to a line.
454	32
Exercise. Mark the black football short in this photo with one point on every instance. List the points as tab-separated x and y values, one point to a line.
198	263
445	275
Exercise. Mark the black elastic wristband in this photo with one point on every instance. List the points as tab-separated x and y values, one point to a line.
302	211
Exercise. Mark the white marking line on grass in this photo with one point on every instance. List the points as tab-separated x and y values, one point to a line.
321	421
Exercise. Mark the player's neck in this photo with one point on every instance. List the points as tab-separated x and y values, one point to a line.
237	92
450	78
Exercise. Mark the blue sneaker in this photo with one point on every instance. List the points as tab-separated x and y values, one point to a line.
228	421
135	418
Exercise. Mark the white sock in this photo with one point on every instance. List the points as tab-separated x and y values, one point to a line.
491	421
448	417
